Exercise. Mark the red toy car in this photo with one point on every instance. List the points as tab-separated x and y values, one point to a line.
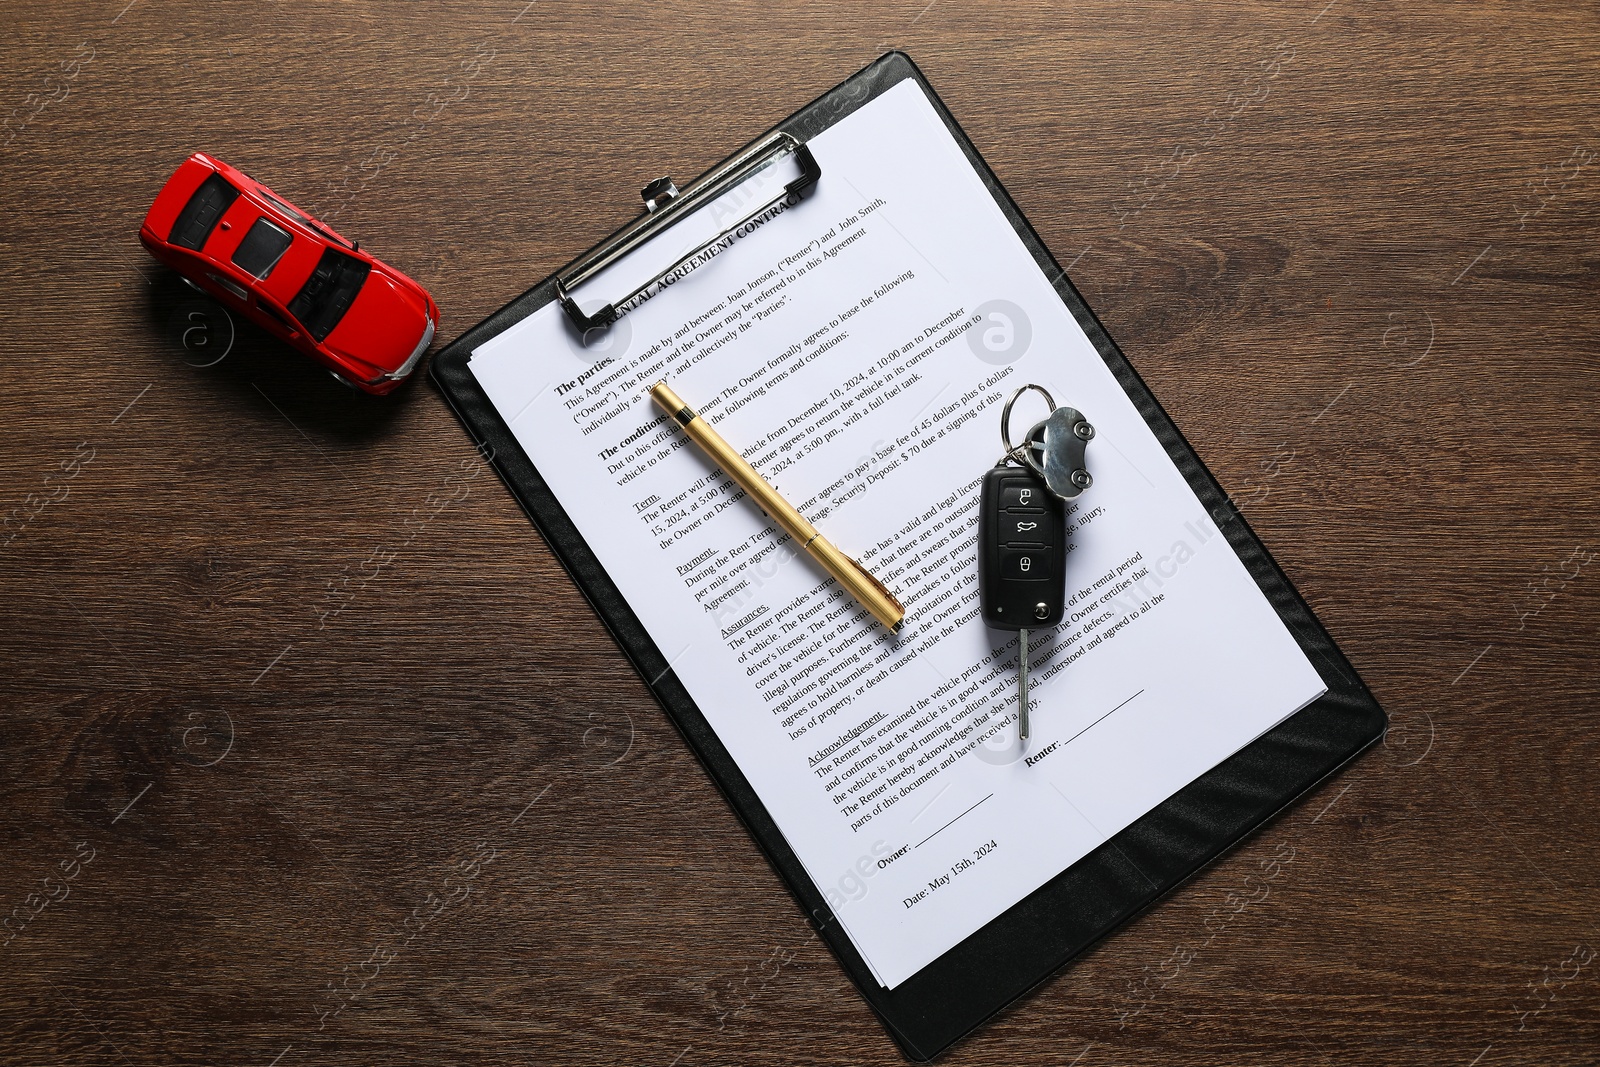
233	239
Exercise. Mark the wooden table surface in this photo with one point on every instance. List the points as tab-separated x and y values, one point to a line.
1351	247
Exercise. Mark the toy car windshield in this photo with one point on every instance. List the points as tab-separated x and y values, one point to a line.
328	293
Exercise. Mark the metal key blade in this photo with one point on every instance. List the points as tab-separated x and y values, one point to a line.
1022	686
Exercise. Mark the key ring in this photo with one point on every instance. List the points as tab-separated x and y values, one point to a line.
1018	452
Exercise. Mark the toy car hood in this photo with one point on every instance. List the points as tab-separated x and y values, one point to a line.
385	325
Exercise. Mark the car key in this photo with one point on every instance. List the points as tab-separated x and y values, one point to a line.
1024	555
1023	530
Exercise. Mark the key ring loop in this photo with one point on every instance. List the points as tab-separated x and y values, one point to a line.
1015	452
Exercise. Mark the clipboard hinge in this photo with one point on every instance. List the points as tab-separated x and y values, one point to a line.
665	205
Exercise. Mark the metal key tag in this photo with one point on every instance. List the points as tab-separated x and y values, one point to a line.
1054	448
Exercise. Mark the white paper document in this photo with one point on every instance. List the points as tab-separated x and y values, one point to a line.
857	348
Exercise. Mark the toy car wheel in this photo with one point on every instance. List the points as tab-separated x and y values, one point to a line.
342	380
191	283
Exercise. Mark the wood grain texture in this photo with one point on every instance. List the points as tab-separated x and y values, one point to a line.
1336	241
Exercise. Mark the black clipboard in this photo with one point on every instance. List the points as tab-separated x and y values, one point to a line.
1025	945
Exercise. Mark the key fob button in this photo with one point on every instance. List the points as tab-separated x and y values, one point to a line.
1025	528
1022	551
1025	566
1021	494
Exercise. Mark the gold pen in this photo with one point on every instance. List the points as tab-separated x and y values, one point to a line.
850	574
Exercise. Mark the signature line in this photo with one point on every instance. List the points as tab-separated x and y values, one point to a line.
949	824
1101	719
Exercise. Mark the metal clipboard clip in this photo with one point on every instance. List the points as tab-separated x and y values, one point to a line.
666	205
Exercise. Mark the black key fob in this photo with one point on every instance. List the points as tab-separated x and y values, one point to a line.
1022	551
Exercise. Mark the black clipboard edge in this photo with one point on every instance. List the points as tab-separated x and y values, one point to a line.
1026	945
